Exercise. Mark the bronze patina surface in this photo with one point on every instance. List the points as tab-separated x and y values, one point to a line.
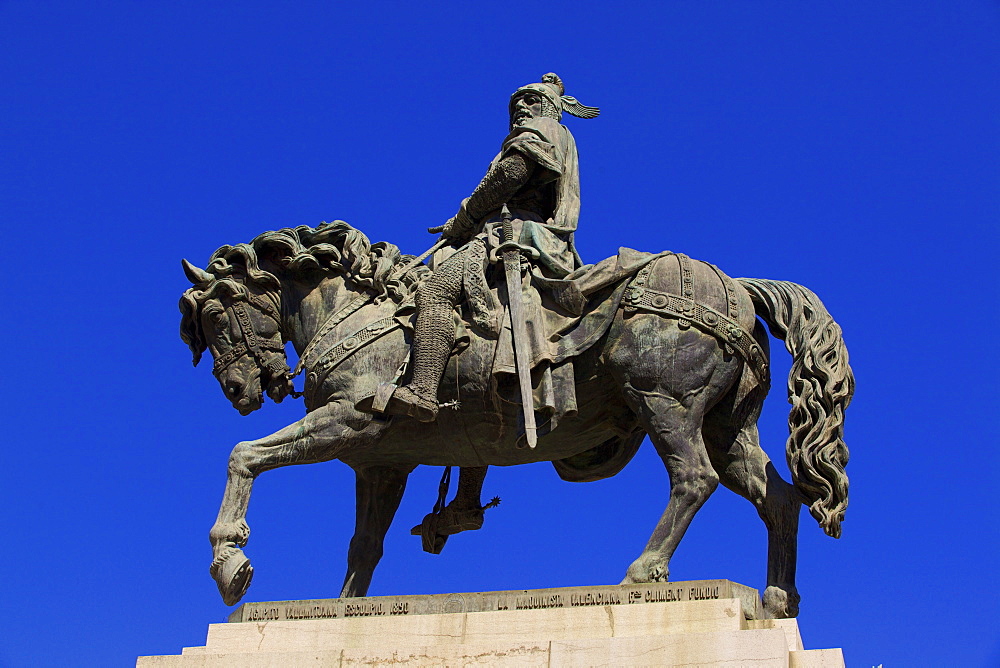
640	344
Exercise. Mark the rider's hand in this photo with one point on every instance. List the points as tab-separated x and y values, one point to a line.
454	230
460	227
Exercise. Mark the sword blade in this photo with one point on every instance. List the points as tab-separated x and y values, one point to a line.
519	332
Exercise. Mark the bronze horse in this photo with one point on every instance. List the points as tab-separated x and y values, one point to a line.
650	374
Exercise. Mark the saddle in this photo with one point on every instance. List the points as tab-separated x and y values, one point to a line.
565	317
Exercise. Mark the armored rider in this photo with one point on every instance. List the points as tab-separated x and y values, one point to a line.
537	175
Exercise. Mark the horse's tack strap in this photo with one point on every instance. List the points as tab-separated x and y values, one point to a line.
265	306
731	300
688	311
347	347
251	342
241	349
335	319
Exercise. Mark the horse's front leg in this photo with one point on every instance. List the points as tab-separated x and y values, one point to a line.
379	491
318	437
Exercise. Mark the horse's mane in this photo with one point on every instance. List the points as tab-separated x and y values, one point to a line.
300	253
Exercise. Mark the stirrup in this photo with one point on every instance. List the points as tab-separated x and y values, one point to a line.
450	521
436	527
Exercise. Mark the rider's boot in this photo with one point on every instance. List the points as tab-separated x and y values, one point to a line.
432	343
408	401
466	511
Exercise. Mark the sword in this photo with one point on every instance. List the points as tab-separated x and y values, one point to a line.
511	252
423	256
420	258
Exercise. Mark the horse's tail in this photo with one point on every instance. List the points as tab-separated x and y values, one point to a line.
820	386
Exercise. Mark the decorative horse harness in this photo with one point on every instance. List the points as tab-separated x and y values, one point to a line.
321	360
322	363
251	343
724	327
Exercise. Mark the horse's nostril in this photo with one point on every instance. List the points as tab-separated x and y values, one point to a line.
233	389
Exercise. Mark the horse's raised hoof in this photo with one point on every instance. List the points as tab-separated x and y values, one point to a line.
233	576
781	604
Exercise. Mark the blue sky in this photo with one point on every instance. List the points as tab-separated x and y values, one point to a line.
850	147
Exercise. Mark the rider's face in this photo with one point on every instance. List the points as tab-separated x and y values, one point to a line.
527	106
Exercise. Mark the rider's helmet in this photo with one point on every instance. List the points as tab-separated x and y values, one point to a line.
554	103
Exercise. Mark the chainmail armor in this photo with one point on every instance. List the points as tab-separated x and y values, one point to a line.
550	110
435	300
499	185
439	295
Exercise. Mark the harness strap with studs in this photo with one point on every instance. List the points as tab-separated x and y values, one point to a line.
689	312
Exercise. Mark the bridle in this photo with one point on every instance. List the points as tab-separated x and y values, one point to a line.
253	344
278	366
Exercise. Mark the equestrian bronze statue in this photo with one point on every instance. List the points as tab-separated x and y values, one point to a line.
507	350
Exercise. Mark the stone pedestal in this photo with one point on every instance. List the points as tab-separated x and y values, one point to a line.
700	623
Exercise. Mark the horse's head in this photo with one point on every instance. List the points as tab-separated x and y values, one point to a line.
238	319
254	296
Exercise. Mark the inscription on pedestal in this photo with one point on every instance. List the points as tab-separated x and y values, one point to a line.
530	599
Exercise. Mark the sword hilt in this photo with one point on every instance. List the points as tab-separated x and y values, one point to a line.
496	255
508	225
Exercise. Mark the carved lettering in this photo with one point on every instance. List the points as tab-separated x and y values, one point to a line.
595	598
663	595
523	600
703	593
366	609
536	602
262	614
310	612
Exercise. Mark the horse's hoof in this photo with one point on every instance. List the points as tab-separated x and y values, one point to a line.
645	570
233	577
781	604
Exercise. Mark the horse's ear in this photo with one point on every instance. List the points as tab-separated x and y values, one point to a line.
194	274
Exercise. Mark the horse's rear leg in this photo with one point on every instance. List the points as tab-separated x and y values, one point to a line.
379	491
318	437
674	427
746	469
